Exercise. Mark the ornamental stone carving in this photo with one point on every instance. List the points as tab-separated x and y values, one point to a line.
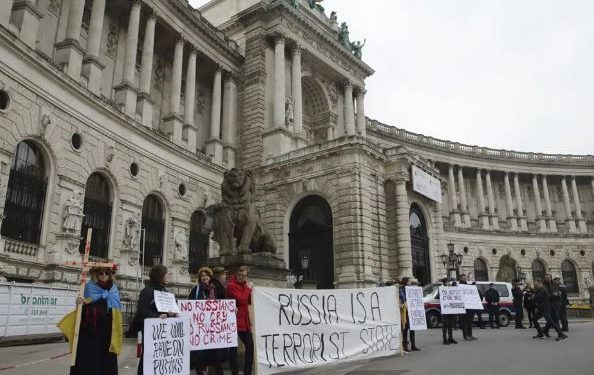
132	232
181	245
113	35
73	215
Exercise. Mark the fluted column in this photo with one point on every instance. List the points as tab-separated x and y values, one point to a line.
403	244
214	146
548	208
5	10
189	128
145	102
349	114
92	67
519	205
126	94
463	199
173	123
542	224
296	90
279	82
513	221
567	204
481	201
229	120
492	213
454	212
361	122
578	206
69	52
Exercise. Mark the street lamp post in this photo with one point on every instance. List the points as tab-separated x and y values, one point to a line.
452	261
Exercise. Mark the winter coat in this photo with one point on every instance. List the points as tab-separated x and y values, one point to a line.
492	296
146	307
529	303
553	290
242	294
542	300
518	297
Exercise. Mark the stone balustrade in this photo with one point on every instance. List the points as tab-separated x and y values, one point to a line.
20	248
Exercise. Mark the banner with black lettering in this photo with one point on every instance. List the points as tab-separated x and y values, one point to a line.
213	323
300	329
415	308
167	346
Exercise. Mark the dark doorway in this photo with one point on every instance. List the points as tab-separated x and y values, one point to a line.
311	236
419	246
153	223
199	241
97	211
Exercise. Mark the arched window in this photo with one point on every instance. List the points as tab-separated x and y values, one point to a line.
480	270
569	277
25	195
538	270
419	245
153	223
198	242
97	211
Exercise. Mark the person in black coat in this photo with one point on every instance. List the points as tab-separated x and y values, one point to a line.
543	310
447	322
564	302
146	302
529	302
518	299
479	313
554	300
468	317
492	299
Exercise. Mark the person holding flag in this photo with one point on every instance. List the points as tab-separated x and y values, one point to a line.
100	334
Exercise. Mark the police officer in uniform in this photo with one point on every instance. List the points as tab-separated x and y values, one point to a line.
492	299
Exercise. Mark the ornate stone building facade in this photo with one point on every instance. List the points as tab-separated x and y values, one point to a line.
122	116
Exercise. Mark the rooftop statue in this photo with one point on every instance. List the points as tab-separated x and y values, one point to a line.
357	47
313	4
334	21
295	3
343	36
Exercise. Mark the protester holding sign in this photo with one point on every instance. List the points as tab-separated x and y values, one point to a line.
468	317
146	302
405	319
448	315
100	336
239	290
206	290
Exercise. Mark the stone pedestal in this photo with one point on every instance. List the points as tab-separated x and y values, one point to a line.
190	135
229	156
306	284
26	16
144	105
126	94
92	68
277	141
173	125
214	148
265	269
70	54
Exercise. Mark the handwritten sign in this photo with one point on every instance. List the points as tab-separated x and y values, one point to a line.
213	323
301	329
450	299
416	308
167	346
165	302
471	297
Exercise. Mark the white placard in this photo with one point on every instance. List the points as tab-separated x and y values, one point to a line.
416	308
471	297
213	323
450	299
167	346
165	302
425	184
301	329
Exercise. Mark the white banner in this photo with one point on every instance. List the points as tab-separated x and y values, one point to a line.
416	308
471	297
425	184
450	299
165	302
166	346
213	323
300	329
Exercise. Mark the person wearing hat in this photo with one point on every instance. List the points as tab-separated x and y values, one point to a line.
492	298
219	278
100	334
206	289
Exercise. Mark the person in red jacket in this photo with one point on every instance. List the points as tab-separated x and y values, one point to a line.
239	290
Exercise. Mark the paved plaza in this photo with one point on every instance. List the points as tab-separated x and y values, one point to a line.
506	351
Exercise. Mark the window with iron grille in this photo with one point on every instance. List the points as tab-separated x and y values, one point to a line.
480	270
97	213
569	277
153	223
25	195
538	270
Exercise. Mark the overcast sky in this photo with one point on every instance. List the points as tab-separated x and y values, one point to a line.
513	74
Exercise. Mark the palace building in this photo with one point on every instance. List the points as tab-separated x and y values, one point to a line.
122	116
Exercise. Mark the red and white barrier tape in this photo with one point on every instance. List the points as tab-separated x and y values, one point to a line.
34	362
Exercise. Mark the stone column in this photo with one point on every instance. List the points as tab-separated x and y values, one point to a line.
481	201
403	243
361	121
279	82
491	198
513	221
69	52
578	206
519	205
214	146
549	210
93	68
567	204
349	114
454	213
229	120
173	123
144	102
542	224
189	128
297	91
125	92
5	10
463	199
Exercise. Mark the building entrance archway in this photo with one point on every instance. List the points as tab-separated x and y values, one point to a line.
310	237
419	239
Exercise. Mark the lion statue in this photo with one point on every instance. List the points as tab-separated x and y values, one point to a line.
237	218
